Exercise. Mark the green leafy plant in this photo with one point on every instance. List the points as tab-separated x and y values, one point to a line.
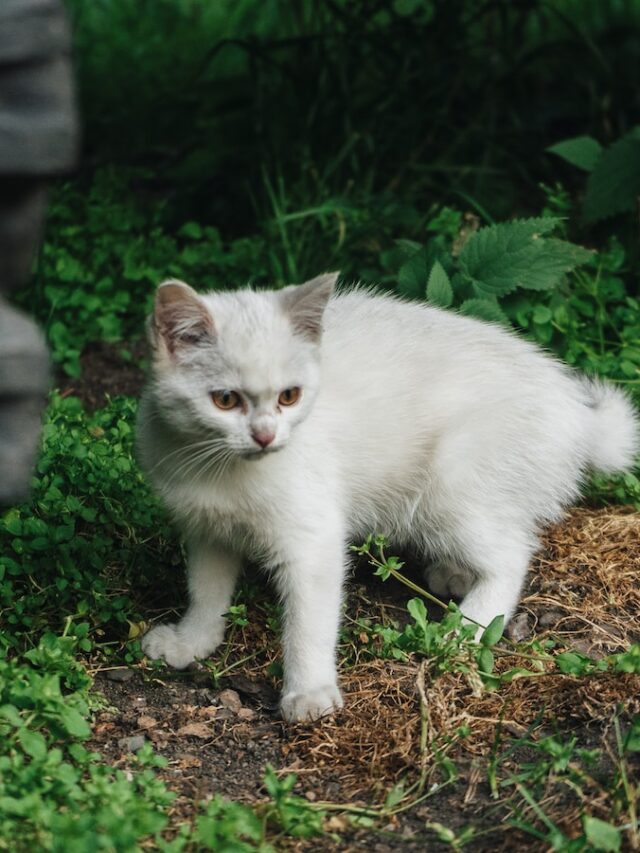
91	523
613	183
492	263
106	252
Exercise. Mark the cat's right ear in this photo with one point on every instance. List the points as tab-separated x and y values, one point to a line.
180	319
305	304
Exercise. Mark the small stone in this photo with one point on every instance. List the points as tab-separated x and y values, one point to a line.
199	730
208	711
108	716
225	714
246	714
132	744
231	700
159	737
120	674
519	628
311	796
550	617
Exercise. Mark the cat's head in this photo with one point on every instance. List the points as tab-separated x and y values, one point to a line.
242	367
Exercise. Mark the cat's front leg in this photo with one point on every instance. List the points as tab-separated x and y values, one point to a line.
212	573
310	581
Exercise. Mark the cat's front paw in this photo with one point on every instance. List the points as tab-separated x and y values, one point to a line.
176	646
311	705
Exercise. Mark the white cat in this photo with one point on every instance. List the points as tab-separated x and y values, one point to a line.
279	425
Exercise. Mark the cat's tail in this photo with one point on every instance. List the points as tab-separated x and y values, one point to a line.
615	434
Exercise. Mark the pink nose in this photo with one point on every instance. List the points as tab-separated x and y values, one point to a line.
264	439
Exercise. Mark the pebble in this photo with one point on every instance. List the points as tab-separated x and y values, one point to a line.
550	617
132	744
231	700
246	714
519	628
122	674
225	714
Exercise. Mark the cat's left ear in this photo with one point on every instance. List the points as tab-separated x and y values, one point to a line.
180	318
305	304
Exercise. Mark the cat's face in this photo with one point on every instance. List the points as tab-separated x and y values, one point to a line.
238	371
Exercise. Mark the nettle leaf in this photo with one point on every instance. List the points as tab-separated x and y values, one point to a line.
581	151
74	723
501	258
602	835
554	259
33	744
412	275
614	185
439	290
484	309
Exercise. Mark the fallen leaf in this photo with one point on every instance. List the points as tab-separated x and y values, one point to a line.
200	730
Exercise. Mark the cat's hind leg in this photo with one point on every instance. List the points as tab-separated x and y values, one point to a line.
448	579
498	559
212	574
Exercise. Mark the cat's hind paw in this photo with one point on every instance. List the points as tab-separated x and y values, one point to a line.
310	706
446	579
175	647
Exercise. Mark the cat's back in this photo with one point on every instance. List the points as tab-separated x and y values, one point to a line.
392	339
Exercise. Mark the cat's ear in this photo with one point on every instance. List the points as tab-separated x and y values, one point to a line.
305	303
180	318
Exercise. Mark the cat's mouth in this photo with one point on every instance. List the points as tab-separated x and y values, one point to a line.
260	452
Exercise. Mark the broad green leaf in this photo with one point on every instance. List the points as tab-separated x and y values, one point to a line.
192	230
580	151
554	259
33	743
602	835
614	185
74	723
419	612
573	663
484	309
498	259
493	631
501	258
11	713
542	314
439	290
486	660
412	275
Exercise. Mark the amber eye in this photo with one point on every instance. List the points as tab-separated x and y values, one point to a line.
226	399
289	396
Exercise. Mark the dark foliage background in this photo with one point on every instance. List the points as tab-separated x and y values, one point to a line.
423	100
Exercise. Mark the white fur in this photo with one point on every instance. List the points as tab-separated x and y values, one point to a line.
442	432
